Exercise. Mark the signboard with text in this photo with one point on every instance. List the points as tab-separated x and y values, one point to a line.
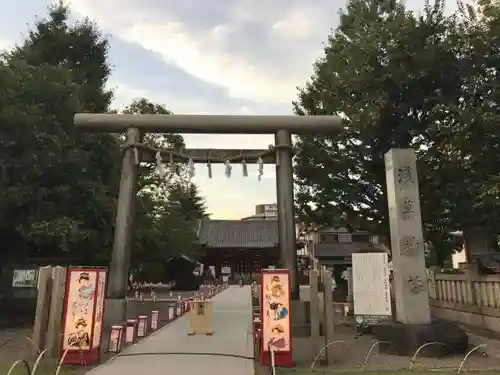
276	317
371	288
82	314
99	308
25	278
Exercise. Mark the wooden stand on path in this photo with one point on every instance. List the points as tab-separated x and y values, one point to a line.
200	318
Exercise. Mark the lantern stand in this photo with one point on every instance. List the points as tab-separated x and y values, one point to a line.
155	317
142	326
115	344
130	331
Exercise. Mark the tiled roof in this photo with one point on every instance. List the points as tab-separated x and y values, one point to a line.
254	234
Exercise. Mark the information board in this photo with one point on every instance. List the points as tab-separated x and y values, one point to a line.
371	288
99	307
25	278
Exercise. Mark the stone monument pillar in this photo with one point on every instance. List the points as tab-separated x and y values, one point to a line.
413	327
407	242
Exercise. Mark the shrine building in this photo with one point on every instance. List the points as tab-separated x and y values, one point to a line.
246	246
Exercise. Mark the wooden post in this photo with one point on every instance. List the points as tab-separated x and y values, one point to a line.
314	309
40	325
53	343
470	271
329	316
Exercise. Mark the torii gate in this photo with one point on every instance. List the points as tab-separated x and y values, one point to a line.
136	125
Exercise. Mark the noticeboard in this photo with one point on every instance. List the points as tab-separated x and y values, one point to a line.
25	278
371	288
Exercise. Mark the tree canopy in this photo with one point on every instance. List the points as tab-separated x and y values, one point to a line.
59	186
402	79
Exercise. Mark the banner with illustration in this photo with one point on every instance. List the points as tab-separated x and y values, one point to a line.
83	312
275	310
99	307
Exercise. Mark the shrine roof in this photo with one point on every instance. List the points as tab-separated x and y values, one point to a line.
241	234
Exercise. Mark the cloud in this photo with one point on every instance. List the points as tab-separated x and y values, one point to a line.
124	94
234	50
6	44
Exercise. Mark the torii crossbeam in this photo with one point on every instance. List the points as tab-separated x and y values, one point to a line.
136	125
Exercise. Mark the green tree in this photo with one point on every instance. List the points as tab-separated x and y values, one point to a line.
466	140
58	185
399	79
187	198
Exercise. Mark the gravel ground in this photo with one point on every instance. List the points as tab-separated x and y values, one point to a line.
351	356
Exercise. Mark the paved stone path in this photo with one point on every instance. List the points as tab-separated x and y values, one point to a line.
171	351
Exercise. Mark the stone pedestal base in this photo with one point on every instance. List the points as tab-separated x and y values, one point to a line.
406	339
300	326
115	311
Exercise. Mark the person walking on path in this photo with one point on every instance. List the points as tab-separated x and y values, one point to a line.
241	280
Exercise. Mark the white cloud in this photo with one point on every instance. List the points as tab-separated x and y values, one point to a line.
6	44
125	94
205	55
297	23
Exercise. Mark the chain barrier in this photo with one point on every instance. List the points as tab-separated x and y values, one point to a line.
368	355
38	360
411	367
414	358
273	370
323	350
14	365
468	354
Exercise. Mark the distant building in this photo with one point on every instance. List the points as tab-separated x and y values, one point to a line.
333	248
264	212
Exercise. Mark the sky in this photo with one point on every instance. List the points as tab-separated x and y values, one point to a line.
206	57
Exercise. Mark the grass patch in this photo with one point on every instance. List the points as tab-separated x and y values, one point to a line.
46	367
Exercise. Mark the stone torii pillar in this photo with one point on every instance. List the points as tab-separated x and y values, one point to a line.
136	125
